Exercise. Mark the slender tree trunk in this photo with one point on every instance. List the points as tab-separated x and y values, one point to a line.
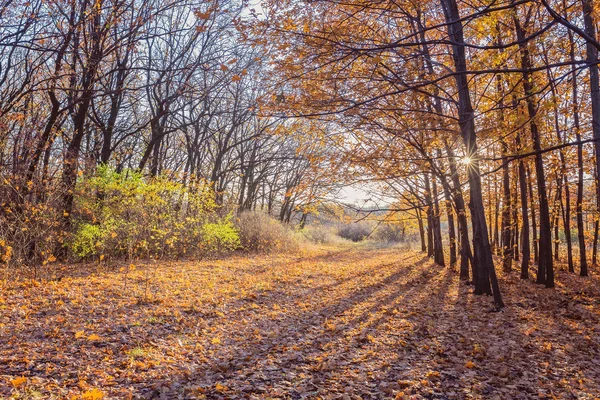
525	229
595	244
461	214
428	200
533	217
545	273
496	209
515	220
592	59
451	224
421	230
507	229
487	281
437	229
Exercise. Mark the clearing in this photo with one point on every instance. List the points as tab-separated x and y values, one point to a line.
343	322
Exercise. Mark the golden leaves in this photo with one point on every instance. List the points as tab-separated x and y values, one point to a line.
92	338
221	388
93	394
371	336
16	382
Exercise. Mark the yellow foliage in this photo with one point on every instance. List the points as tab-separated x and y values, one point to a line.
221	388
93	394
18	381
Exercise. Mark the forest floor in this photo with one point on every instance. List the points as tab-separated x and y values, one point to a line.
346	322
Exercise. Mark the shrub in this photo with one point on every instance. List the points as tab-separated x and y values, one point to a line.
260	232
221	236
356	232
30	228
390	233
87	240
320	234
6	252
134	216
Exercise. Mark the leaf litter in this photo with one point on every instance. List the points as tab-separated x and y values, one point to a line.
345	322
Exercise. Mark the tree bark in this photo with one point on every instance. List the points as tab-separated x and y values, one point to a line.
487	280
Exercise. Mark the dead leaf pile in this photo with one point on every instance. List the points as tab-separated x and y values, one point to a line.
346	322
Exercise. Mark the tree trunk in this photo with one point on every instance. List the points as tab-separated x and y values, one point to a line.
451	224
437	229
428	200
421	230
507	228
545	273
536	253
487	280
461	215
525	228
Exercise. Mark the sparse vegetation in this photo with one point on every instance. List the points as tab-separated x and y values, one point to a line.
355	232
261	233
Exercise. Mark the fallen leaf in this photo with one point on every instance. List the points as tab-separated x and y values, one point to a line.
18	381
93	394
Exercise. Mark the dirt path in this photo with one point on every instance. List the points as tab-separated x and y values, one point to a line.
349	322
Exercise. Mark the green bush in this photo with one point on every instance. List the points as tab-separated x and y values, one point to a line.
221	236
87	240
135	216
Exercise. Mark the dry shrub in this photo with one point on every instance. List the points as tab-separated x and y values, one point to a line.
321	234
356	231
389	233
261	233
30	228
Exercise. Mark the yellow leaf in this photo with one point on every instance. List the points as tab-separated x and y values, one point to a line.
101	257
18	381
215	340
79	334
469	364
221	388
93	336
51	258
93	394
131	267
